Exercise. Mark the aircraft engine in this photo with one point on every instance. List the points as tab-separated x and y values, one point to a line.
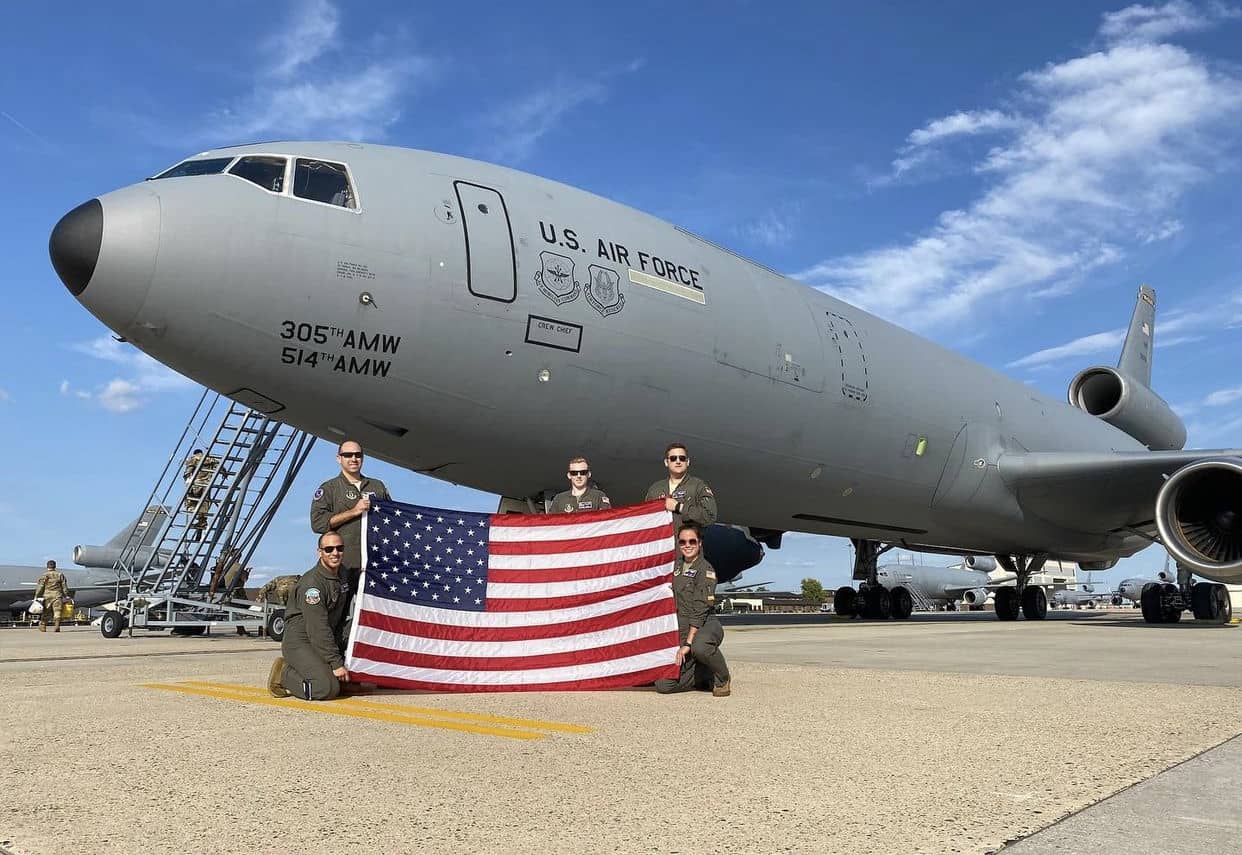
975	597
980	562
1199	515
730	549
1108	394
105	557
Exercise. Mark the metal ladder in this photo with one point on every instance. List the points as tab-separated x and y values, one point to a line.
921	602
217	514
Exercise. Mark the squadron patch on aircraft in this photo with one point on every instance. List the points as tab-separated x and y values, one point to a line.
603	292
556	278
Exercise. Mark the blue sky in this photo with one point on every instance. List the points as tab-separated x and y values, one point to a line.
998	179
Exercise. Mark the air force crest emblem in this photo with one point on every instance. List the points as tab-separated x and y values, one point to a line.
603	292
556	278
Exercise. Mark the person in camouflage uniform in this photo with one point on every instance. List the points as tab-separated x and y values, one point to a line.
277	590
53	588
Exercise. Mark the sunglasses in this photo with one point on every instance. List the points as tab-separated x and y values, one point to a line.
579	472
349	454
677	458
687	542
332	549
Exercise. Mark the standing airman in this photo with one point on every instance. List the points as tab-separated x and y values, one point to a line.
339	505
581	495
687	496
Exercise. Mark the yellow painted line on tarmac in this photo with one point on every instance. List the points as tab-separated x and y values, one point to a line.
332	708
532	723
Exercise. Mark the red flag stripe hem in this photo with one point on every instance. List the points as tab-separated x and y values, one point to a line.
407	659
613	681
576	544
528	604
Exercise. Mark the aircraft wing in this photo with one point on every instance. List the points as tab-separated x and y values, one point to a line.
1093	490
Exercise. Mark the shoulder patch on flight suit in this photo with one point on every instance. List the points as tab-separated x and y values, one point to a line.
707	491
319	493
312	596
711	574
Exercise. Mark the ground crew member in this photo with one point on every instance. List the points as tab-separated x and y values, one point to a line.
688	497
339	504
53	588
311	664
197	479
581	495
694	588
278	590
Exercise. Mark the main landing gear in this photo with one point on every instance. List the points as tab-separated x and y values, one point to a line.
872	600
1164	602
1029	599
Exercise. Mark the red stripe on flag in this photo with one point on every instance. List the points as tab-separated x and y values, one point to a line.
547	604
615	681
522	520
589	656
580	544
575	574
446	632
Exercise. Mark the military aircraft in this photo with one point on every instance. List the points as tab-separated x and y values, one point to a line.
97	583
476	323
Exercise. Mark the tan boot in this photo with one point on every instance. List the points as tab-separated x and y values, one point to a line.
723	690
42	627
57	629
274	686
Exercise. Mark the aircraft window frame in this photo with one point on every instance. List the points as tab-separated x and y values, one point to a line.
356	203
227	161
284	180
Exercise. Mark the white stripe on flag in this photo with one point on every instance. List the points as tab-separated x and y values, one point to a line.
591	558
536	590
578	531
530	647
594	670
454	617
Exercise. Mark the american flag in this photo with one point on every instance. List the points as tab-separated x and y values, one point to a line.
462	602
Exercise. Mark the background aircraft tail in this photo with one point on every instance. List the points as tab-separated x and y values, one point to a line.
150	522
1135	359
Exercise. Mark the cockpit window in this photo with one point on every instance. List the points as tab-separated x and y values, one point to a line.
266	171
322	181
188	168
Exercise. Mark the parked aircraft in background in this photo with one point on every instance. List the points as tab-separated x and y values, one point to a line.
476	323
92	586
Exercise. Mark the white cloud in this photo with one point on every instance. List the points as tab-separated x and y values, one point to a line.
1221	397
308	85
1086	346
4	397
521	123
1104	145
772	229
144	377
1151	23
313	31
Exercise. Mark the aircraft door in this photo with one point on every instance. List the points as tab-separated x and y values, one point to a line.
491	265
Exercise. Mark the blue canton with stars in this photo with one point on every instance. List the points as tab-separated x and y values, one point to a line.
427	556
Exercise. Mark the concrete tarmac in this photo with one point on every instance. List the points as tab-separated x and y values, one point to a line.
948	734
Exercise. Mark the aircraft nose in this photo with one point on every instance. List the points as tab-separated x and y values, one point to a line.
74	245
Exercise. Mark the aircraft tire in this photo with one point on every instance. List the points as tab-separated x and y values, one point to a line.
1226	605
845	601
1149	602
1201	600
902	603
276	625
1007	605
1034	603
876	603
111	624
1170	594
